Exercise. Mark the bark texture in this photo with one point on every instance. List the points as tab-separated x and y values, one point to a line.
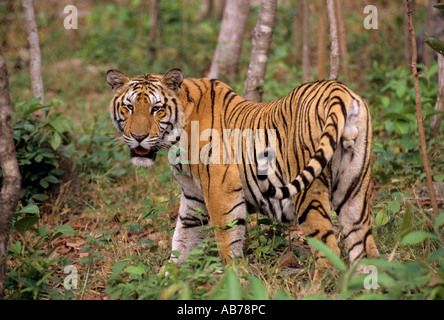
262	35
11	179
36	59
334	40
226	58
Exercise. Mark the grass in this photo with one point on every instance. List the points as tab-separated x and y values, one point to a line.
123	218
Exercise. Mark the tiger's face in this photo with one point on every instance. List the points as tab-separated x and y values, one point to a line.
146	110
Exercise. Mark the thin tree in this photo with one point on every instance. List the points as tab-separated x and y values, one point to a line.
439	106
322	45
262	34
342	38
35	56
11	179
154	26
425	158
229	45
305	41
407	41
432	13
334	40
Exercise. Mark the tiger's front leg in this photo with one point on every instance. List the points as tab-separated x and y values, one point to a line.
227	209
188	234
228	213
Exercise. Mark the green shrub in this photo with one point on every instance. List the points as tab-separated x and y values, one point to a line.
38	146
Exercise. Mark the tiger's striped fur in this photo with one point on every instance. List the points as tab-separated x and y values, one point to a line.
322	157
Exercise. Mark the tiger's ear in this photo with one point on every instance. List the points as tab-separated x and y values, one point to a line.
116	79
173	79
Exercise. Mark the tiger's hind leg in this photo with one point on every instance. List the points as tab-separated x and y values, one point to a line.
315	221
356	221
350	195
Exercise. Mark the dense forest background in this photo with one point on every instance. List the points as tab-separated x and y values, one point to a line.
89	225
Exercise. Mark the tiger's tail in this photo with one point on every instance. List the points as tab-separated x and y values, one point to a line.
268	182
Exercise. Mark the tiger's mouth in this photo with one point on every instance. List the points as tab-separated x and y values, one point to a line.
143	153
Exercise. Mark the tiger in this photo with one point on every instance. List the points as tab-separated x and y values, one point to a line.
318	162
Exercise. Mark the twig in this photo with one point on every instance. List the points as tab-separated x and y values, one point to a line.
86	281
418	110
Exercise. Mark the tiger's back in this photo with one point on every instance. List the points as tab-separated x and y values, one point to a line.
320	134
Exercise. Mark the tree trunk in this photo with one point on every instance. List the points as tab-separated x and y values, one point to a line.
342	38
36	59
432	12
226	57
206	7
262	35
11	180
425	158
322	45
297	34
334	40
305	41
154	25
436	119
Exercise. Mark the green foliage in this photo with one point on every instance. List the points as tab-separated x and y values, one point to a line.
37	146
394	114
179	31
265	238
419	279
96	152
35	264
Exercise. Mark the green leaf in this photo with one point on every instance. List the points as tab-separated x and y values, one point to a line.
439	177
401	127
44	183
330	255
51	179
259	292
409	142
417	237
65	229
436	45
439	6
394	206
25	224
381	218
32	208
138	270
407	220
439	221
55	141
436	255
40	197
118	267
233	286
400	89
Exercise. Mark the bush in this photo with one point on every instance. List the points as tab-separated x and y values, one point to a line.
39	147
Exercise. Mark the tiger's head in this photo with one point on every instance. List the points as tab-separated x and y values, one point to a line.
146	109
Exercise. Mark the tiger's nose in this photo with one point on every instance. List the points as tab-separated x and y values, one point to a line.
139	138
